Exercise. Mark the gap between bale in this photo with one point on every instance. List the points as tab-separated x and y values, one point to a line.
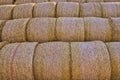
70	29
51	58
41	29
44	9
6	12
114	50
91	58
14	30
23	11
67	9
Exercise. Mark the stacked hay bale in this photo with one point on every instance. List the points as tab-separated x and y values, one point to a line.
70	29
23	11
45	9
41	29
115	23
90	9
15	30
81	1
38	1
22	1
6	12
3	2
17	66
58	0
114	50
94	1
111	0
97	29
51	61
2	23
109	9
67	9
90	61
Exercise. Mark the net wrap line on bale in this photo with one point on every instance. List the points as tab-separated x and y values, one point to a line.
97	29
90	61
17	61
6	12
51	61
4	2
45	9
45	27
15	30
67	9
70	29
23	11
114	50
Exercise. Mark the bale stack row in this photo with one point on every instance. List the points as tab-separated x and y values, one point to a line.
60	29
5	2
60	61
61	9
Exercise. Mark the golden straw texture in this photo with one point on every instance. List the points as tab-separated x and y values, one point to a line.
38	1
2	23
22	1
70	29
2	44
114	50
90	10
112	0
44	9
58	0
90	61
109	9
23	11
94	0
41	29
67	9
2	2
77	1
115	29
51	61
6	12
97	29
15	30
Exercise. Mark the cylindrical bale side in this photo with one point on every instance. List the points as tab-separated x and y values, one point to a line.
58	0
90	10
38	1
114	50
90	61
70	29
23	1
115	23
51	61
2	23
81	1
41	29
97	29
3	2
23	11
67	9
6	12
15	30
44	9
109	9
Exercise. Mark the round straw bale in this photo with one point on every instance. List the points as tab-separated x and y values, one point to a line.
41	29
38	1
77	1
23	1
70	29
97	29
94	1
5	61
44	9
51	61
6	12
68	9
2	2
90	10
115	29
15	30
23	11
2	23
109	9
90	61
114	50
58	0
